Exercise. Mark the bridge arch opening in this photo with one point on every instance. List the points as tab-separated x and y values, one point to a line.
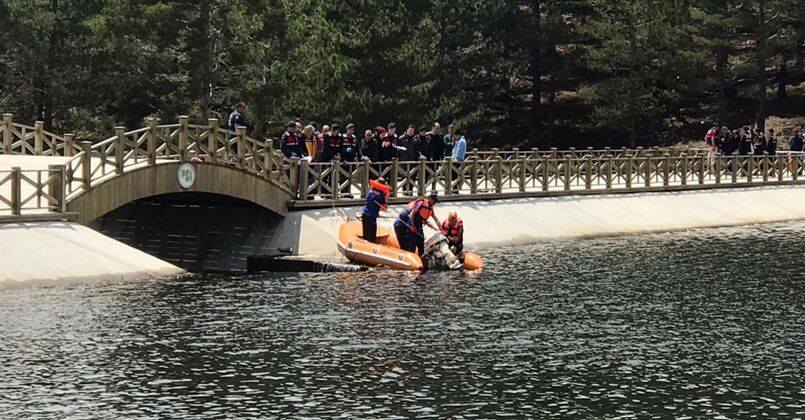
199	232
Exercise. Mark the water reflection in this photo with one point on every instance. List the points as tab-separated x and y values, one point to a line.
701	323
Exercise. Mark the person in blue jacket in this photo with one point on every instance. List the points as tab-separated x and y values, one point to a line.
376	201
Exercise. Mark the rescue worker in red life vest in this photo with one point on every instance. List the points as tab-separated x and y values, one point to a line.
332	144
291	144
453	230
349	144
408	226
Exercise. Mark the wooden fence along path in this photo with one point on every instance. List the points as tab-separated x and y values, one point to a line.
483	175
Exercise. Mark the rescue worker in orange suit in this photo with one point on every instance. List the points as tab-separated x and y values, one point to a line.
376	201
409	223
453	230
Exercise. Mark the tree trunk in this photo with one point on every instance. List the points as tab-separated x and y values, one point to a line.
761	57
721	68
536	67
782	77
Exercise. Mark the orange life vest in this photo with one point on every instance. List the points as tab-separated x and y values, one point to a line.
384	188
449	231
425	209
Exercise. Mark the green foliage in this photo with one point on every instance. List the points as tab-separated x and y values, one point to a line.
512	72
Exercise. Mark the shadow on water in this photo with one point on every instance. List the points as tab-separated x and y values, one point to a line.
698	323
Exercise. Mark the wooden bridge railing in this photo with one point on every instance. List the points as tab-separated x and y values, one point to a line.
30	192
325	183
21	139
485	174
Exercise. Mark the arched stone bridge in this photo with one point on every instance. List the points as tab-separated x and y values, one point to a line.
44	174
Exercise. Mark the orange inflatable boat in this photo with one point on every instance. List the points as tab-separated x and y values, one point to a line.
386	252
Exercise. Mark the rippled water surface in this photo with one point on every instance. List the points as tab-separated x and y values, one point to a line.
703	323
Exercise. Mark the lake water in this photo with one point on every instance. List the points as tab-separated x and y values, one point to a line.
701	323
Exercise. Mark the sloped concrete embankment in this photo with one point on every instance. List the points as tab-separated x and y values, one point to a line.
49	253
528	220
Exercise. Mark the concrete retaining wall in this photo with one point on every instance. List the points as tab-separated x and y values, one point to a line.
46	253
491	223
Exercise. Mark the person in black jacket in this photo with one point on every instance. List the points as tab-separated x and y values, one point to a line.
436	142
332	144
422	141
291	143
369	146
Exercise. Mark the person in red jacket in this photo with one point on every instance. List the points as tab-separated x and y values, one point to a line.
453	230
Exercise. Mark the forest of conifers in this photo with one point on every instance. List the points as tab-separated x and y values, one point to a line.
534	73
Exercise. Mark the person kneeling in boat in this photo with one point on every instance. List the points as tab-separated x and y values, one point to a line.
408	225
376	201
453	230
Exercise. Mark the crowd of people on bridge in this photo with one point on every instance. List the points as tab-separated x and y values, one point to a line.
378	144
748	140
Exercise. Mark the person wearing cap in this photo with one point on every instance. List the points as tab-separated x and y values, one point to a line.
291	144
409	224
332	144
376	201
349	145
388	143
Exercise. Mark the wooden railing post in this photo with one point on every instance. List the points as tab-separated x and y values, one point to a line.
515	153
304	178
38	138
8	136
523	173
546	170
750	169
241	144
293	177
630	171
366	168
119	142
183	137
684	175
474	175
647	169
16	191
666	169
610	161
778	162
498	174
69	145
735	167
588	176
554	153
56	187
421	173
393	174
268	159
86	164
448	176
764	166
719	162
212	141
151	140
335	178
568	170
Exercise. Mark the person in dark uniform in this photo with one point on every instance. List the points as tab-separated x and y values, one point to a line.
291	143
376	201
349	145
409	224
771	145
237	117
332	144
423	143
436	142
388	143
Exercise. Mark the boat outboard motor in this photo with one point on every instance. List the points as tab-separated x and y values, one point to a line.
438	254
